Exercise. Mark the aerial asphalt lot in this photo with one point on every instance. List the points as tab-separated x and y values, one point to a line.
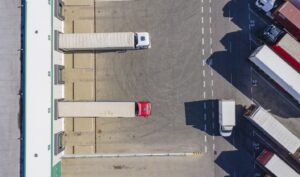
199	55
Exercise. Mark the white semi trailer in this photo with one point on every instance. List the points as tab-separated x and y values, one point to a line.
278	70
271	163
103	109
273	129
103	41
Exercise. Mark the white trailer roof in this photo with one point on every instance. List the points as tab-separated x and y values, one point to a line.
278	70
291	46
275	129
279	168
96	41
96	109
227	111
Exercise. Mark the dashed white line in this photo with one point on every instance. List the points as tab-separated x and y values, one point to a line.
203	62
202	20
213	137
205	148
203	52
204	95
211	72
211	50
205	138
214	146
204	117
212	93
203	73
202	39
204	127
204	84
204	105
212	83
201	9
209	19
210	41
210	30
202	31
209	9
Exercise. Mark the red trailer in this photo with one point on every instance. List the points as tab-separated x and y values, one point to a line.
289	49
289	17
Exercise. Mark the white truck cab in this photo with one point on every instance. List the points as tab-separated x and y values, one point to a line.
226	117
265	5
142	40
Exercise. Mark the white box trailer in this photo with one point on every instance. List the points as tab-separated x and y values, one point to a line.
275	165
103	109
273	129
103	41
278	70
226	117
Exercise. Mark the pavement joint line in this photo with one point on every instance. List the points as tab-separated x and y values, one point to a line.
276	90
120	155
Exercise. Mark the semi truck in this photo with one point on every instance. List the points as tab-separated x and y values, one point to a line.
102	41
103	109
288	16
226	117
274	130
288	48
274	165
278	70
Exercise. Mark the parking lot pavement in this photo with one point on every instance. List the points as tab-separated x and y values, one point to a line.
131	167
10	33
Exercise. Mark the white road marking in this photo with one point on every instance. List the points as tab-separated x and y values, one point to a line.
203	73
210	42
212	83
209	9
205	138
202	20
205	149
201	1
229	18
210	20
214	146
211	72
204	95
210	30
204	105
204	117
204	84
202	39
203	62
202	31
204	127
212	93
203	52
213	137
201	9
211	50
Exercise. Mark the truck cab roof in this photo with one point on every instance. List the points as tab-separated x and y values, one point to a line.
143	40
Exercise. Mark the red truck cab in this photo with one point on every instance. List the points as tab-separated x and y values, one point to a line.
143	109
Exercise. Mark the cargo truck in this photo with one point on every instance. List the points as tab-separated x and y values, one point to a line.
274	130
274	165
288	16
288	48
102	41
103	109
278	70
226	117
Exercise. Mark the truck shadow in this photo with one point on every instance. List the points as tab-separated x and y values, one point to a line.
233	65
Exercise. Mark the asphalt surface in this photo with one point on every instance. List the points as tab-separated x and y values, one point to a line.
10	22
199	55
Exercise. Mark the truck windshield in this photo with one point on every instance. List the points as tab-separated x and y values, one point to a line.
226	129
136	109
